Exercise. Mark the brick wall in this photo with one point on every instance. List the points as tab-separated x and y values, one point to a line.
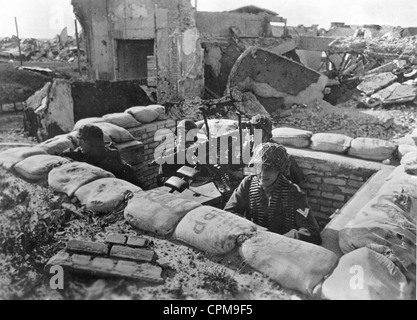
331	180
146	134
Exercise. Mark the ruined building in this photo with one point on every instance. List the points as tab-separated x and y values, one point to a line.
174	49
153	40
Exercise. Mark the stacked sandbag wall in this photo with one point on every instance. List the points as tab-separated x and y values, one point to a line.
217	232
135	124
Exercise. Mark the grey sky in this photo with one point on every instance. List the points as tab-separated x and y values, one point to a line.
46	18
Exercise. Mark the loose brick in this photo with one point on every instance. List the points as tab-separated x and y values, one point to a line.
132	254
335	181
87	247
337	197
103	264
149	272
137	242
115	238
80	260
354	183
126	268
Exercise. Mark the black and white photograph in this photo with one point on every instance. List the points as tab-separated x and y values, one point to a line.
208	155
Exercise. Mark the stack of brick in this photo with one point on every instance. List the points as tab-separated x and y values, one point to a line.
146	135
331	180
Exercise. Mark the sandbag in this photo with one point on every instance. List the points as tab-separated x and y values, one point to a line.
292	137
330	142
372	149
93	120
366	275
70	177
161	111
10	157
37	168
409	161
157	212
220	127
363	232
399	181
117	134
143	114
105	195
58	144
404	149
213	230
124	120
294	264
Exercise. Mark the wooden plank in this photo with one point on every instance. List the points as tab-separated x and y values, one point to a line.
140	255
136	242
87	247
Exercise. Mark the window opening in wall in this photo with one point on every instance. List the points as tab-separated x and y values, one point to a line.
132	58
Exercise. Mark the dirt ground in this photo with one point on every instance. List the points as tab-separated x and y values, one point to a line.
36	223
34	226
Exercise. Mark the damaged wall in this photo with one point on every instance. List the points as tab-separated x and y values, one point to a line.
98	98
272	76
171	26
226	35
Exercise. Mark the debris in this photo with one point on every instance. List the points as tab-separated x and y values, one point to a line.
397	93
373	83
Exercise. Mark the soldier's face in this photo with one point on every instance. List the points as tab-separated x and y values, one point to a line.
267	176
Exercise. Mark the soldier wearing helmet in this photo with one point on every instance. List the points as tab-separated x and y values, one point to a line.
272	201
94	151
263	123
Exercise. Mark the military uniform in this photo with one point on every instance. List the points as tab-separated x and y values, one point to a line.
108	159
285	212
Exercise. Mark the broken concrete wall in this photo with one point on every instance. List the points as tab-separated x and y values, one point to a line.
217	24
169	23
269	75
49	112
98	98
222	53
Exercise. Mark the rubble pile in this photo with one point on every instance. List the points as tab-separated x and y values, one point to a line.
382	46
61	48
324	117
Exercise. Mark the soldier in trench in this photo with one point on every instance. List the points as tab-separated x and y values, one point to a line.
272	201
263	123
94	151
